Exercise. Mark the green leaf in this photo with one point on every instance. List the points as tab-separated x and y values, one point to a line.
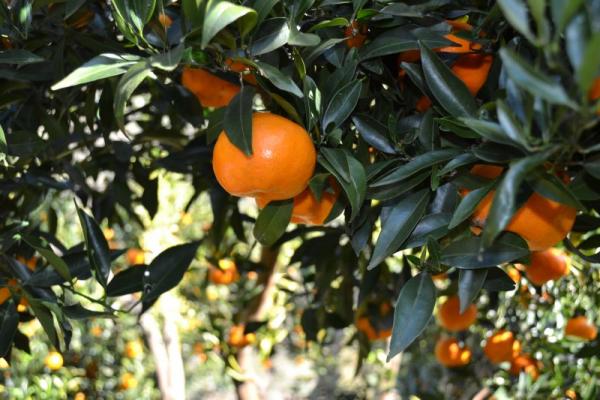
96	246
303	39
3	145
46	318
312	53
488	130
263	8
312	102
350	174
330	23
498	281
272	221
412	312
126	86
415	165
447	88
19	57
553	188
398	40
516	14
341	105
8	328
470	282
418	10
535	82
167	61
279	79
71	6
468	204
58	263
590	65
374	133
563	11
504	203
510	125
167	270
193	12
274	34
576	37
99	67
127	281
457	162
467	253
78	312
219	14
432	226
238	119
398	224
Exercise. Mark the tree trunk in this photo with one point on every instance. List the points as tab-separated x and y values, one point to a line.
165	347
246	357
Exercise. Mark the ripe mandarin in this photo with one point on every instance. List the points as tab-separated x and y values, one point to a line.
280	167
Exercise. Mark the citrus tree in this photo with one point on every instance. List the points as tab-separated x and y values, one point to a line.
397	155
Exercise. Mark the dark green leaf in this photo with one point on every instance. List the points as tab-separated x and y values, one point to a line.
515	12
504	204
272	35
8	328
468	204
272	221
99	67
468	254
415	165
126	86
349	172
447	88
374	133
280	80
535	82
19	57
96	246
167	270
127	281
77	311
58	263
219	14
399	223
498	281
341	105
470	282
413	311
238	119
398	40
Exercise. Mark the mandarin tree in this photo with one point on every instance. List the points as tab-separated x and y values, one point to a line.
249	176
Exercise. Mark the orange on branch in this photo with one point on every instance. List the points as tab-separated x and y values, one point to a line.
547	265
450	353
540	221
225	274
237	337
582	328
128	381
307	209
239	67
282	162
450	318
210	90
134	349
356	34
525	363
501	347
135	256
594	93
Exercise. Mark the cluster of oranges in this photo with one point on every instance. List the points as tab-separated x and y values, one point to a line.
376	324
501	346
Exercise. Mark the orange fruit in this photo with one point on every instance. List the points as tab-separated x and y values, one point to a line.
525	363
440	277
450	353
128	381
237	337
356	34
540	221
514	274
307	209
5	293
165	20
363	324
594	92
239	67
30	263
109	233
280	167
450	318
582	328
54	361
225	274
547	265
464	45
134	349
210	90
502	346
135	256
571	394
